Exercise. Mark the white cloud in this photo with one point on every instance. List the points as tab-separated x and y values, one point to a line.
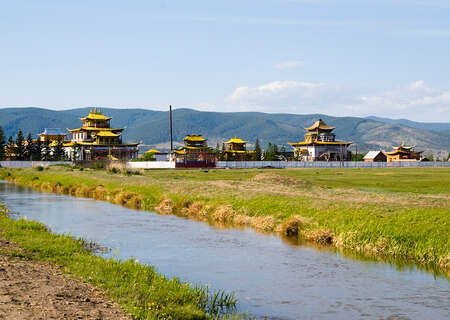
292	64
414	101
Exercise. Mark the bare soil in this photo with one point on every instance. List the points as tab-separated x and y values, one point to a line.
32	289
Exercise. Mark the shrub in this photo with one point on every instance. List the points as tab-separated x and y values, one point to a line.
98	165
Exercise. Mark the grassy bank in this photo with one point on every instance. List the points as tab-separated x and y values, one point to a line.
140	290
395	213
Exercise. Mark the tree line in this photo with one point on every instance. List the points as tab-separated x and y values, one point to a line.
21	149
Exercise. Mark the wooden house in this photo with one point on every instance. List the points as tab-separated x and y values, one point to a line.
375	156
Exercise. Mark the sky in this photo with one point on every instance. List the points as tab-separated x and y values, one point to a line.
388	58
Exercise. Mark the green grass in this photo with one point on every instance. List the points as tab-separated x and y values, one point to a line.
139	289
394	214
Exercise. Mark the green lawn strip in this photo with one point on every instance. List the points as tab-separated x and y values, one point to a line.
388	230
139	289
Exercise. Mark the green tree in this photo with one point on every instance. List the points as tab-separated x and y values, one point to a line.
2	145
430	157
10	149
20	147
357	157
29	148
257	153
75	152
271	153
36	153
58	150
46	150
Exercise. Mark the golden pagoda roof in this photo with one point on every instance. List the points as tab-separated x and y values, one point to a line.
106	134
96	115
319	124
194	137
236	140
153	151
111	157
95	129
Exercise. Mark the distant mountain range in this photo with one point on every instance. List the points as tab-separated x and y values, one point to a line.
152	127
433	126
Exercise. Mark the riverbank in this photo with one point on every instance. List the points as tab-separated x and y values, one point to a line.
33	261
31	289
397	214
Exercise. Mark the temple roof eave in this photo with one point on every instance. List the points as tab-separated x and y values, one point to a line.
95	129
304	143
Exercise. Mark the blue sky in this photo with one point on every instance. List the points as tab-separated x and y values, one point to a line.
340	57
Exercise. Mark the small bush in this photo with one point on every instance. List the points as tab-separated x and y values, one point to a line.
98	165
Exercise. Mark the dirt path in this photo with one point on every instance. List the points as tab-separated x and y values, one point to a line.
39	290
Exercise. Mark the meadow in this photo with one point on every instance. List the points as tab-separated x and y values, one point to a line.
393	214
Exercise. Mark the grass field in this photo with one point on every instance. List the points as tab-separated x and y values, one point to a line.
394	214
140	290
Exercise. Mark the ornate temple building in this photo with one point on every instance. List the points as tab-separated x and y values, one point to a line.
194	153
98	141
403	153
321	145
235	150
52	134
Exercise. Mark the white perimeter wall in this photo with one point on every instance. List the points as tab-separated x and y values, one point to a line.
151	164
325	164
29	164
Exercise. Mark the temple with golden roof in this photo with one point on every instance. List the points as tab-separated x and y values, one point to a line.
236	150
98	141
321	145
194	153
403	153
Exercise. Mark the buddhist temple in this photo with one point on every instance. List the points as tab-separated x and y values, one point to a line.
156	155
235	150
321	145
52	134
98	141
194	153
403	153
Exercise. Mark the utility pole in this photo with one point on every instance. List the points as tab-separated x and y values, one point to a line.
171	133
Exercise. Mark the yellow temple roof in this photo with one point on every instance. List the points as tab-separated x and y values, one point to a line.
194	137
236	140
96	115
106	134
319	124
95	129
153	151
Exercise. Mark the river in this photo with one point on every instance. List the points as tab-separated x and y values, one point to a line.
270	277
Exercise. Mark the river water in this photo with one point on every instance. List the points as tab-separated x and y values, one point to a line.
269	277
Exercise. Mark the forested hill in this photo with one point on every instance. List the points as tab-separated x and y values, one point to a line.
152	127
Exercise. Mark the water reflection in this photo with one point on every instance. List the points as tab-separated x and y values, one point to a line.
270	276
